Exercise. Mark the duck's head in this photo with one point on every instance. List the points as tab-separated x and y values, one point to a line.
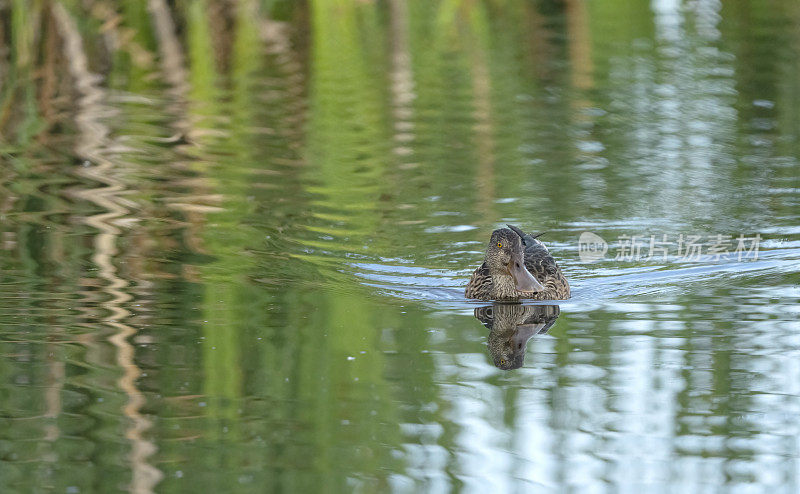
505	258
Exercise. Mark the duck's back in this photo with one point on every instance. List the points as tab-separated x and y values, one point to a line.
542	265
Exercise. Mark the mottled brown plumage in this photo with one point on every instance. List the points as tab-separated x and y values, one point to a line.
493	280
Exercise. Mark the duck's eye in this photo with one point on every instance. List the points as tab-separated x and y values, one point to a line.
499	245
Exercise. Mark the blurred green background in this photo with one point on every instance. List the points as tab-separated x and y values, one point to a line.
234	234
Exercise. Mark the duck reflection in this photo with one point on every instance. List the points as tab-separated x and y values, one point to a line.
511	326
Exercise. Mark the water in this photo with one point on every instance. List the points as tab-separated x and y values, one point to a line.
234	245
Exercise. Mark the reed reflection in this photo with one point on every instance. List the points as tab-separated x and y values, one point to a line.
511	326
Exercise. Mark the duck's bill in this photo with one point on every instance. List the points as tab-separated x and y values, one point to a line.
523	279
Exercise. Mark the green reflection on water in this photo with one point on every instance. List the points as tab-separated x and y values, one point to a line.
233	242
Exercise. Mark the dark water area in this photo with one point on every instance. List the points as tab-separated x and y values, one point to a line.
234	238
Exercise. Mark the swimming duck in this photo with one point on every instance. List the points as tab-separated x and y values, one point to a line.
516	266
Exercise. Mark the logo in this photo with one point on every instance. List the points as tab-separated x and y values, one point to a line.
689	248
591	247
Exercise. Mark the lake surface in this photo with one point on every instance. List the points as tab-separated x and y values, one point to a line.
234	243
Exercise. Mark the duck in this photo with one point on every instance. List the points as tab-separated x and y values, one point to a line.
517	266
